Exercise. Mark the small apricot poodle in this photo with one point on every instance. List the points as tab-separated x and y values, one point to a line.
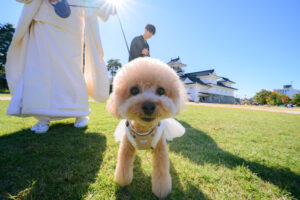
147	93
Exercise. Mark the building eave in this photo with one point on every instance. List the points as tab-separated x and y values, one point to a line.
203	94
195	83
227	82
214	85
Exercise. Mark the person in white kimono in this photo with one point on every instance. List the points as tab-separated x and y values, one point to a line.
45	63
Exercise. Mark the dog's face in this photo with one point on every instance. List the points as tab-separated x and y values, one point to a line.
146	90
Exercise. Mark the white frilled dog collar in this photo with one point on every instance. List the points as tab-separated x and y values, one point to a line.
147	140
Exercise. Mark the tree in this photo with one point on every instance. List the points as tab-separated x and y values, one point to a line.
113	65
283	99
246	101
296	99
6	35
262	97
274	98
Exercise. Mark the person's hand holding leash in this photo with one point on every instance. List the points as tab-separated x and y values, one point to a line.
145	52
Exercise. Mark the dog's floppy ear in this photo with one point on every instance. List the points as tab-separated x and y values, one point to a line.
111	106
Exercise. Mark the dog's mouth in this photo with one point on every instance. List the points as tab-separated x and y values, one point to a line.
147	119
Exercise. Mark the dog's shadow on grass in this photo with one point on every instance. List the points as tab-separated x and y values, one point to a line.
58	165
141	187
200	148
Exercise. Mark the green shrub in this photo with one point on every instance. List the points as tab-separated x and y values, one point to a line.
296	99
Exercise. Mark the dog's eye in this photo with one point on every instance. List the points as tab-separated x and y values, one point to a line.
134	91
160	91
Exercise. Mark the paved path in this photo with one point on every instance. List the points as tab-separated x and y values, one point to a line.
5	98
295	111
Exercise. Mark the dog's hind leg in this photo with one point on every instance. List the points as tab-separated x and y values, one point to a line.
124	169
161	178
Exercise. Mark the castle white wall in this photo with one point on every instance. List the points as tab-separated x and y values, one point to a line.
193	91
228	84
208	80
221	91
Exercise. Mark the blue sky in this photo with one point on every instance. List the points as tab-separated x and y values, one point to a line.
252	42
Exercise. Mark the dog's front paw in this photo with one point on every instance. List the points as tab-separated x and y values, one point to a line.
161	186
123	177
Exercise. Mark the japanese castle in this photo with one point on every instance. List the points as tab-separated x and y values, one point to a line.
205	86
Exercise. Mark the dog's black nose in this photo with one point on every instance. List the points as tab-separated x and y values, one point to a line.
148	108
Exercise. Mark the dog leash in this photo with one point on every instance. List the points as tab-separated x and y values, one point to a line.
62	9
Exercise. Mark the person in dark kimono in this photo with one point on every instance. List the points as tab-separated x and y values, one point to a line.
139	46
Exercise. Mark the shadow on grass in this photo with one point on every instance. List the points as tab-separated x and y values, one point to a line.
4	91
190	191
58	165
141	187
201	148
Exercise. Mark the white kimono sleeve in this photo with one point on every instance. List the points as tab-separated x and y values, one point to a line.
173	129
120	130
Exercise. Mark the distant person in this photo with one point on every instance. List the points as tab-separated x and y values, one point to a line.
139	46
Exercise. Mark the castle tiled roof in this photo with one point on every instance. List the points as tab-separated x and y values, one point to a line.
226	80
175	59
176	62
193	79
201	73
222	85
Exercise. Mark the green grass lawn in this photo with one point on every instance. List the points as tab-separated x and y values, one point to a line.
5	95
225	154
4	90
